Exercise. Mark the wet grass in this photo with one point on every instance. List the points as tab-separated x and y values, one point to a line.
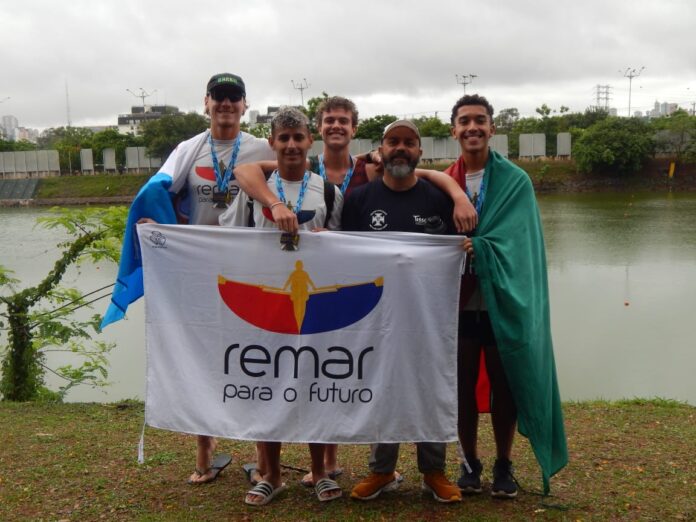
630	460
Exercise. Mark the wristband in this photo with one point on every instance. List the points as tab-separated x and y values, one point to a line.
368	157
274	204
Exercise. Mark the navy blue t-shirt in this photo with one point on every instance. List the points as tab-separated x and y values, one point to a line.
376	207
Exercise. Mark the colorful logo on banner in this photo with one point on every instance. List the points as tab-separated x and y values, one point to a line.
300	307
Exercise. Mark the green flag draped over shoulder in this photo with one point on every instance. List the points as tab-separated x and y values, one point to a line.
510	262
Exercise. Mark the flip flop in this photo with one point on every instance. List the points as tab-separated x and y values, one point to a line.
331	474
324	486
220	462
249	470
265	490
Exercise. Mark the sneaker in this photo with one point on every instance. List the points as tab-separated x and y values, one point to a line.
442	489
470	482
504	483
375	483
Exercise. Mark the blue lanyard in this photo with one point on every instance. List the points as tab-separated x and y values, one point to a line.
481	195
224	179
300	196
346	180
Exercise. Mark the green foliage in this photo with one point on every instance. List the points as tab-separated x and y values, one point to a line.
260	130
431	126
372	128
162	135
112	139
311	111
676	135
41	319
614	145
506	119
68	141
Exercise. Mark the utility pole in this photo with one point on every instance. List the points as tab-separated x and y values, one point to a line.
301	87
465	79
67	107
142	95
630	74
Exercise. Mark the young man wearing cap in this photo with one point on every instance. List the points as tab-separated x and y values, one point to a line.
504	310
199	171
304	192
400	201
337	121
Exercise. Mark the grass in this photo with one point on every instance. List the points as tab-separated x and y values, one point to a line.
629	460
97	186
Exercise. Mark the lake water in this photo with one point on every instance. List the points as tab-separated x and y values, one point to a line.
622	278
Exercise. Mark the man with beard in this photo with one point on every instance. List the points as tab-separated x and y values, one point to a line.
400	201
504	310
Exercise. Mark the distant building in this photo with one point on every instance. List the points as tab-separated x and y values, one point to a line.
130	123
613	112
22	133
662	109
9	124
271	111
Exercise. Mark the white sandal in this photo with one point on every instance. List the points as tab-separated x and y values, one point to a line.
326	485
265	490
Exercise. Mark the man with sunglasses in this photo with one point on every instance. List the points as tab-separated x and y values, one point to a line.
198	177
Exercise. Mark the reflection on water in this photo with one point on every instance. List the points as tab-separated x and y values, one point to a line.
622	277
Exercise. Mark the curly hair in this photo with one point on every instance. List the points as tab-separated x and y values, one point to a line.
471	99
336	102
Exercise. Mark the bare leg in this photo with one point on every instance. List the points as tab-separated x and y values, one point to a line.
260	462
330	462
317	452
503	410
205	447
271	457
468	361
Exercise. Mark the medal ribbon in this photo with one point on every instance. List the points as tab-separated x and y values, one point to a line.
346	180
223	179
481	195
300	196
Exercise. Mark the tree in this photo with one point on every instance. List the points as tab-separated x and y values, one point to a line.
162	135
431	126
311	111
372	128
112	139
614	145
676	134
68	141
505	120
34	331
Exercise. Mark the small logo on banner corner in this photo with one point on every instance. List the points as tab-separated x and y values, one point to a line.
300	307
158	239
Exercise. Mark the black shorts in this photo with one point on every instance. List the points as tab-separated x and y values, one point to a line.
475	324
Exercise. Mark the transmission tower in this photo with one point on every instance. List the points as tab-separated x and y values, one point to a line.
142	95
301	87
67	103
630	74
465	79
603	92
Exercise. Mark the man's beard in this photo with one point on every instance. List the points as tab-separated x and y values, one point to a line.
400	170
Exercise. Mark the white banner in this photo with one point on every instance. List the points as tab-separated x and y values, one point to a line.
352	338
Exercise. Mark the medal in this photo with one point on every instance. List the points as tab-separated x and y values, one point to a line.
220	199
222	196
288	241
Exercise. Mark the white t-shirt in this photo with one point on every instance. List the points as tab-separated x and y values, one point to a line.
473	186
201	183
238	213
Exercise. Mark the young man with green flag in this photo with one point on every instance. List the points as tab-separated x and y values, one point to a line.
504	310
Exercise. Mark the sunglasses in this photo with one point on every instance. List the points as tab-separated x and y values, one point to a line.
219	95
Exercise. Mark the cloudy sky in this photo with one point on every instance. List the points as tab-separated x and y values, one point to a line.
396	57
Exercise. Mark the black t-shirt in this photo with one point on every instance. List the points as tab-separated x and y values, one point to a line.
376	207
